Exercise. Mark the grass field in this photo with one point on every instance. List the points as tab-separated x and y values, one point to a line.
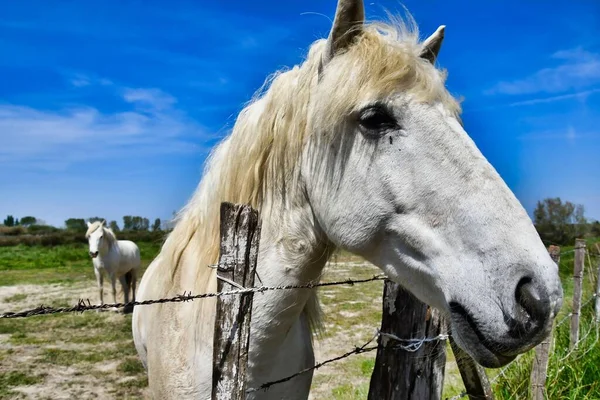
91	355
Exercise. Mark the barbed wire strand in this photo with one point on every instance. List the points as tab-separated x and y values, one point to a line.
356	350
85	305
409	345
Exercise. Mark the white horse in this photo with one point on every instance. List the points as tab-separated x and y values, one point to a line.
358	148
119	259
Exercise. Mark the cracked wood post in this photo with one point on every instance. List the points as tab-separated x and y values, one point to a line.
240	233
399	374
477	385
577	288
539	371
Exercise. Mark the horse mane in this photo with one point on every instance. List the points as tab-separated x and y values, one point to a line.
259	159
109	235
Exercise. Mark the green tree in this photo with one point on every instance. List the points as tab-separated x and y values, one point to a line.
113	226
94	219
9	221
595	228
127	223
558	222
156	225
76	224
135	223
29	220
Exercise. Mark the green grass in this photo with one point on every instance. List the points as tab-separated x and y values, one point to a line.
64	264
571	374
89	339
131	366
13	379
85	341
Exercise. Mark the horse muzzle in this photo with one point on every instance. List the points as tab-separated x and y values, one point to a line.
525	324
93	254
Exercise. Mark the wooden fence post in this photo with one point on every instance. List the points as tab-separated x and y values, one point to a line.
477	385
400	374
539	371
240	234
577	289
597	305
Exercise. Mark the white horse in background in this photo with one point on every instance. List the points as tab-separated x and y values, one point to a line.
359	148
119	259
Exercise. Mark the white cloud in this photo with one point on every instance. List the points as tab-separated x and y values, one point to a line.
577	69
55	139
581	95
82	80
570	134
153	98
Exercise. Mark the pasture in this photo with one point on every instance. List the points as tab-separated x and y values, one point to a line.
91	355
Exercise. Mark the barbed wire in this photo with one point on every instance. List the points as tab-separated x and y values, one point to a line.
356	350
409	345
85	305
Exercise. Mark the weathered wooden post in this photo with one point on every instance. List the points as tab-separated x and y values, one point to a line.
597	305
577	289
398	373
240	234
539	371
477	385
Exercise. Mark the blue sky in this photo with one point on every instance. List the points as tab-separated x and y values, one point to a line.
109	107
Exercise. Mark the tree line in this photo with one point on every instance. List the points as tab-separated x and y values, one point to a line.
557	222
130	223
560	223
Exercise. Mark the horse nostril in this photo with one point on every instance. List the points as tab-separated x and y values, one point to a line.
534	300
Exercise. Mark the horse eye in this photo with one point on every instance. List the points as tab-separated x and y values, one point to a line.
376	120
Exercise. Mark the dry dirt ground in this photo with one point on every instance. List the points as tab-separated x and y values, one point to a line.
91	355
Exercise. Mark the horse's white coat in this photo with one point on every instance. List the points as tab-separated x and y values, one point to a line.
115	258
359	148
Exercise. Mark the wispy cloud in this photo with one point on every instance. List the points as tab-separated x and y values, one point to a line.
569	134
153	98
582	95
576	69
58	138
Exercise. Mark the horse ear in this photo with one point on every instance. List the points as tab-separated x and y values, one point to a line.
432	45
103	223
88	224
347	25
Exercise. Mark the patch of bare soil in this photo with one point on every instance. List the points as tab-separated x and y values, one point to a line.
76	356
23	297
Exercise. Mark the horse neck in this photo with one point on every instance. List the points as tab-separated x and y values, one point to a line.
291	253
107	246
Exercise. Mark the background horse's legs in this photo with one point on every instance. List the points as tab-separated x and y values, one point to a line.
125	286
128	283
133	283
113	281
100	281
